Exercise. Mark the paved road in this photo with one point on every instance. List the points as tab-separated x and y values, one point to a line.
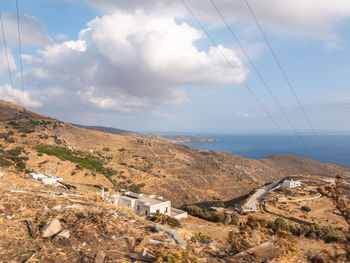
252	202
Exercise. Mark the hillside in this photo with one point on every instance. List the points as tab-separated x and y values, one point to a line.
184	175
44	223
166	138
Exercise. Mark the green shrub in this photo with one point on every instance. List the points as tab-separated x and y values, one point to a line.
202	238
106	149
4	162
15	152
164	219
204	213
135	187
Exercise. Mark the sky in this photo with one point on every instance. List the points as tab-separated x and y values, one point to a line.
149	66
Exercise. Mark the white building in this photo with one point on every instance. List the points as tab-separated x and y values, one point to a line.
36	176
145	205
50	179
291	183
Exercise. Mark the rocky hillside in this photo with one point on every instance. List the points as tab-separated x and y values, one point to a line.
32	142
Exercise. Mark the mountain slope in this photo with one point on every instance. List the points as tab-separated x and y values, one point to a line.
179	173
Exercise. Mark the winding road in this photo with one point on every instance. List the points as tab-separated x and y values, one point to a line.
250	206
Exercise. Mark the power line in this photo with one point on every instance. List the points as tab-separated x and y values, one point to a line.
258	73
286	79
20	51
7	58
235	71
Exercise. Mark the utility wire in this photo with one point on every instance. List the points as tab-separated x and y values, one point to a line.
287	79
7	58
258	73
236	72
20	51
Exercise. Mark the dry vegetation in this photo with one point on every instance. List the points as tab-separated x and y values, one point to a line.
90	160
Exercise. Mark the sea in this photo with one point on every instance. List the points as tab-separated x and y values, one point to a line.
334	149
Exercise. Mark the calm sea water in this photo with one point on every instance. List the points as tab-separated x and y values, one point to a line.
261	146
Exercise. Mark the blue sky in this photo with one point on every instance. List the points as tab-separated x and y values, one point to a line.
148	66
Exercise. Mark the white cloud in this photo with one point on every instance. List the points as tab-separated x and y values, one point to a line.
33	31
21	98
3	61
129	63
315	18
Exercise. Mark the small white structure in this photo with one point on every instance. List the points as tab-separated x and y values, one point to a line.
36	176
178	213
145	205
291	183
50	179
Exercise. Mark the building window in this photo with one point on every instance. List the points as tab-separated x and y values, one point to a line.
146	212
138	208
166	210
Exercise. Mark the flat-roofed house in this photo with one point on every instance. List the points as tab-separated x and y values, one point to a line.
37	176
291	183
145	205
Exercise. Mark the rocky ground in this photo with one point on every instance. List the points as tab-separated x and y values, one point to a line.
51	224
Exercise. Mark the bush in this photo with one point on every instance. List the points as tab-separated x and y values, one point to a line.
204	213
106	149
202	238
235	219
164	219
305	209
15	152
4	162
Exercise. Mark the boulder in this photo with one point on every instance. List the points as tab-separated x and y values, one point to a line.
100	257
171	233
51	228
64	234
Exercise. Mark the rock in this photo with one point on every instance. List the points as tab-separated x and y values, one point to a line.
81	214
64	234
100	257
227	219
51	228
30	226
171	233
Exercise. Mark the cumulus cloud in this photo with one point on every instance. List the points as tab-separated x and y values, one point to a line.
129	63
316	18
3	61
21	98
33	31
